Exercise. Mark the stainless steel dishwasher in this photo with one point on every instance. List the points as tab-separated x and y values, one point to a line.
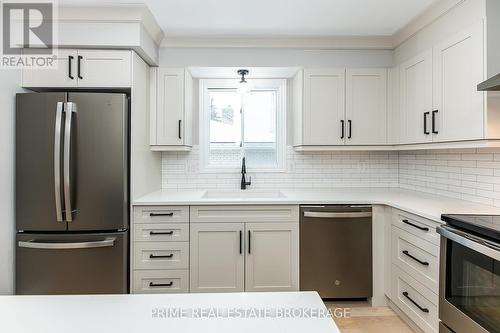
336	251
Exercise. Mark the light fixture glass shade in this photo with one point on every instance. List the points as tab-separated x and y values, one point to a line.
243	88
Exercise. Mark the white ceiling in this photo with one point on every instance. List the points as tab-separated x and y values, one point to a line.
278	17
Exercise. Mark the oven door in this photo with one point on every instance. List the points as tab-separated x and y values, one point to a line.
469	290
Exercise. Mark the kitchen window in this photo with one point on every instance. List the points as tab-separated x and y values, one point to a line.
236	124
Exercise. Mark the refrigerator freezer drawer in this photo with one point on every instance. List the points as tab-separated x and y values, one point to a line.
56	264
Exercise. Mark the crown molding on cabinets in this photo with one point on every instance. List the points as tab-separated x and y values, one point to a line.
110	27
326	43
428	16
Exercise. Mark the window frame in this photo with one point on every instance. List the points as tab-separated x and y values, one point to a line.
204	122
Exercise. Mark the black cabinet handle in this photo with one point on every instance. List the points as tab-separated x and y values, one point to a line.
179	129
434	122
349	122
78	69
414	225
425	123
425	263
152	256
405	294
241	241
151	284
70	62
342	128
249	237
161	232
161	214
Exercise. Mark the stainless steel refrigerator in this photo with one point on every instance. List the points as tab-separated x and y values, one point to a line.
72	193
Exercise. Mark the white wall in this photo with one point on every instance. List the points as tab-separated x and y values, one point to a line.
9	85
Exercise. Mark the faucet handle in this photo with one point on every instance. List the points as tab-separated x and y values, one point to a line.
249	180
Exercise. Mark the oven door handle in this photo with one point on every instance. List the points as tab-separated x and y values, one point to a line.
472	242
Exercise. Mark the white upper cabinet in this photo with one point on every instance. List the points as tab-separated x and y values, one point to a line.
458	68
102	68
416	99
83	69
340	107
171	115
324	107
272	259
62	75
366	106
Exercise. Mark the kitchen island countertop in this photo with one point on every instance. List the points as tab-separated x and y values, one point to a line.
269	312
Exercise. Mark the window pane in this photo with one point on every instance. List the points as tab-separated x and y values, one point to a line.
260	128
225	117
225	127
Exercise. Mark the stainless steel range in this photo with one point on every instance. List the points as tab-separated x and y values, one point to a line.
469	291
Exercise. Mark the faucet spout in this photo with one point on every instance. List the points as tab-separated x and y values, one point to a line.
244	182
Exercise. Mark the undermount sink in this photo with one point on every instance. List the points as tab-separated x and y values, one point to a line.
243	194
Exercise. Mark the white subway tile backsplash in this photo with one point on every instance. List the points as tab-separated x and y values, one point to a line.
469	174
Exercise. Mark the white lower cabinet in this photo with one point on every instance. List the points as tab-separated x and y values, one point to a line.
414	268
272	261
160	281
217	257
244	256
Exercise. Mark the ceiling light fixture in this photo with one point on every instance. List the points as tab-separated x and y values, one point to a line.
243	86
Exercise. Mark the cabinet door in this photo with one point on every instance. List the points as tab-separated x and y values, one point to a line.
416	99
458	69
272	257
217	257
104	69
59	76
366	106
324	107
170	106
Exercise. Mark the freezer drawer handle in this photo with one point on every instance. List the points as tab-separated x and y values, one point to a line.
161	214
152	233
330	215
405	221
151	284
152	256
405	294
33	244
425	263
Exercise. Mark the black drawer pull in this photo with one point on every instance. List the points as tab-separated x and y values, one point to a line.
171	232
241	242
161	214
151	284
405	294
79	73
425	263
152	256
342	129
414	225
434	122
70	61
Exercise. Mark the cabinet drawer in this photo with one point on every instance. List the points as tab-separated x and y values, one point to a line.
416	257
161	255
161	214
269	213
416	225
161	281
415	300
161	232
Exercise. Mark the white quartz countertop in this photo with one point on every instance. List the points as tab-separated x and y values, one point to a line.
423	204
181	313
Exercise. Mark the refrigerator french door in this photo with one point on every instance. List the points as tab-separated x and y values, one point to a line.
72	193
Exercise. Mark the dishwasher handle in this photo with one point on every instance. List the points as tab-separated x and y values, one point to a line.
333	215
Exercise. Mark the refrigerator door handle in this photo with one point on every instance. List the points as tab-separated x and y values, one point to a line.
57	161
33	244
69	108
